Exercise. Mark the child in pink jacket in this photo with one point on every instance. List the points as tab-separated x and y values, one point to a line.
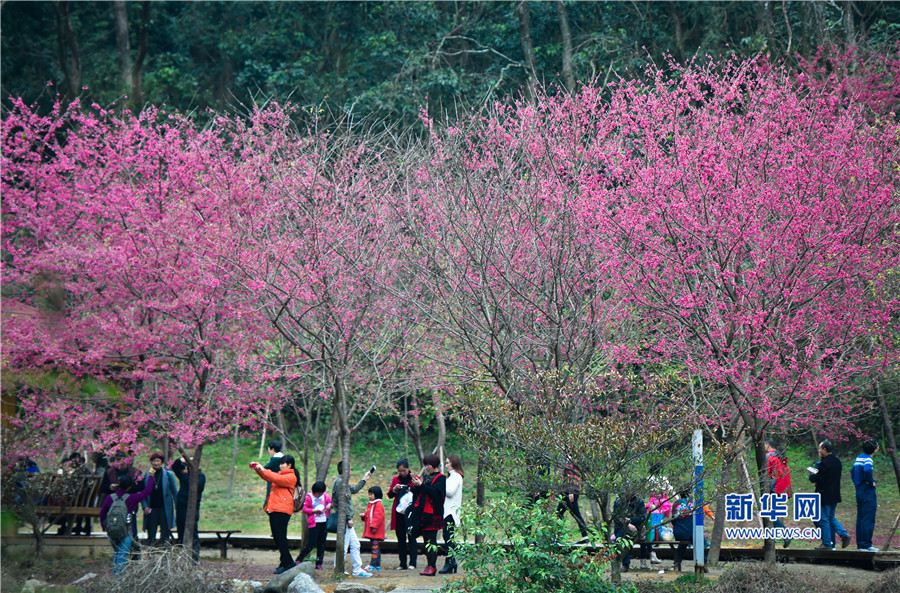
317	505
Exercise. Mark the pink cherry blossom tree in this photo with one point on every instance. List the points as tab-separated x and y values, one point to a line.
127	217
750	217
318	262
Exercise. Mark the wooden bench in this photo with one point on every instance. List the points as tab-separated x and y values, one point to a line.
223	535
86	503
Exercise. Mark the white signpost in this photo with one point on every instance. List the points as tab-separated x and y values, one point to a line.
697	449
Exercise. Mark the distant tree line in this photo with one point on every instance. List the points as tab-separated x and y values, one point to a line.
389	59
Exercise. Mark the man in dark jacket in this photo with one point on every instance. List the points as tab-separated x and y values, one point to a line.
630	521
827	478
182	469
274	464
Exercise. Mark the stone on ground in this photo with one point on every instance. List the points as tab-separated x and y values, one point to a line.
280	583
356	588
303	583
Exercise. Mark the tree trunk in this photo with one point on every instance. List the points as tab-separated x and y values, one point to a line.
479	493
763	482
279	418
190	519
123	44
441	425
137	72
38	540
849	24
675	15
234	448
890	537
68	52
524	15
888	432
765	24
412	421
340	411
566	33
330	446
715	543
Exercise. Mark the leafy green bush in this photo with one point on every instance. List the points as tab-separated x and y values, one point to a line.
530	551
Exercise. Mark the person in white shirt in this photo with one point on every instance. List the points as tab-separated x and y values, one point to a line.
452	504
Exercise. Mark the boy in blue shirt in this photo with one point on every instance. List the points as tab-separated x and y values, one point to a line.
863	476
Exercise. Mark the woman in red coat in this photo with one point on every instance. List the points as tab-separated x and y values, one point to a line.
280	505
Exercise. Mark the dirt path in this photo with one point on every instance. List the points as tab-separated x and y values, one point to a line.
258	565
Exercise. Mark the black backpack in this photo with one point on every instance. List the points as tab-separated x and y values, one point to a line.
118	520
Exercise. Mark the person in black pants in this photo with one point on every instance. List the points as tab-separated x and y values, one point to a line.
181	469
406	544
280	505
630	516
569	498
317	506
430	492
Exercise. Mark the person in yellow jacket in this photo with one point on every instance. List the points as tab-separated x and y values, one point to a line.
280	505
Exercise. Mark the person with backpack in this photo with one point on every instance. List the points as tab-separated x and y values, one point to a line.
406	545
430	492
779	476
117	517
280	505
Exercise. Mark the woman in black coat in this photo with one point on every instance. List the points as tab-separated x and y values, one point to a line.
430	491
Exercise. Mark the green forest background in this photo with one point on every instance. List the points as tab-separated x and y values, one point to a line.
389	59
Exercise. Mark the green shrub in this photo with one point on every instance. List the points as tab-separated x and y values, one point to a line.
530	551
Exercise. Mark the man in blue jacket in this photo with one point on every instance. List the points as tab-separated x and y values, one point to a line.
866	502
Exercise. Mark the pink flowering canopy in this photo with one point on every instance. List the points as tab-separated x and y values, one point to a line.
729	221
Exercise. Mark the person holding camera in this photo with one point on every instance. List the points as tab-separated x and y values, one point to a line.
430	492
400	485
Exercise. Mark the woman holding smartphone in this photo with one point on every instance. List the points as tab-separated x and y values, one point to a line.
280	505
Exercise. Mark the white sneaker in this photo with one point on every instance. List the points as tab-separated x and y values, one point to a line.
643	563
654	559
362	574
870	549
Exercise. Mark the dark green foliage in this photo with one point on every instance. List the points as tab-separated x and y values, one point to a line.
390	58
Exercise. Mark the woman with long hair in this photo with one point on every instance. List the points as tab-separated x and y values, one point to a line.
430	491
452	504
406	542
280	504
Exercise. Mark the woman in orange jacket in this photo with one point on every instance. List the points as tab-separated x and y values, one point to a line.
280	505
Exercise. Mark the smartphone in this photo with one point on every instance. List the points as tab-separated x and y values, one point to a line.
372	471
